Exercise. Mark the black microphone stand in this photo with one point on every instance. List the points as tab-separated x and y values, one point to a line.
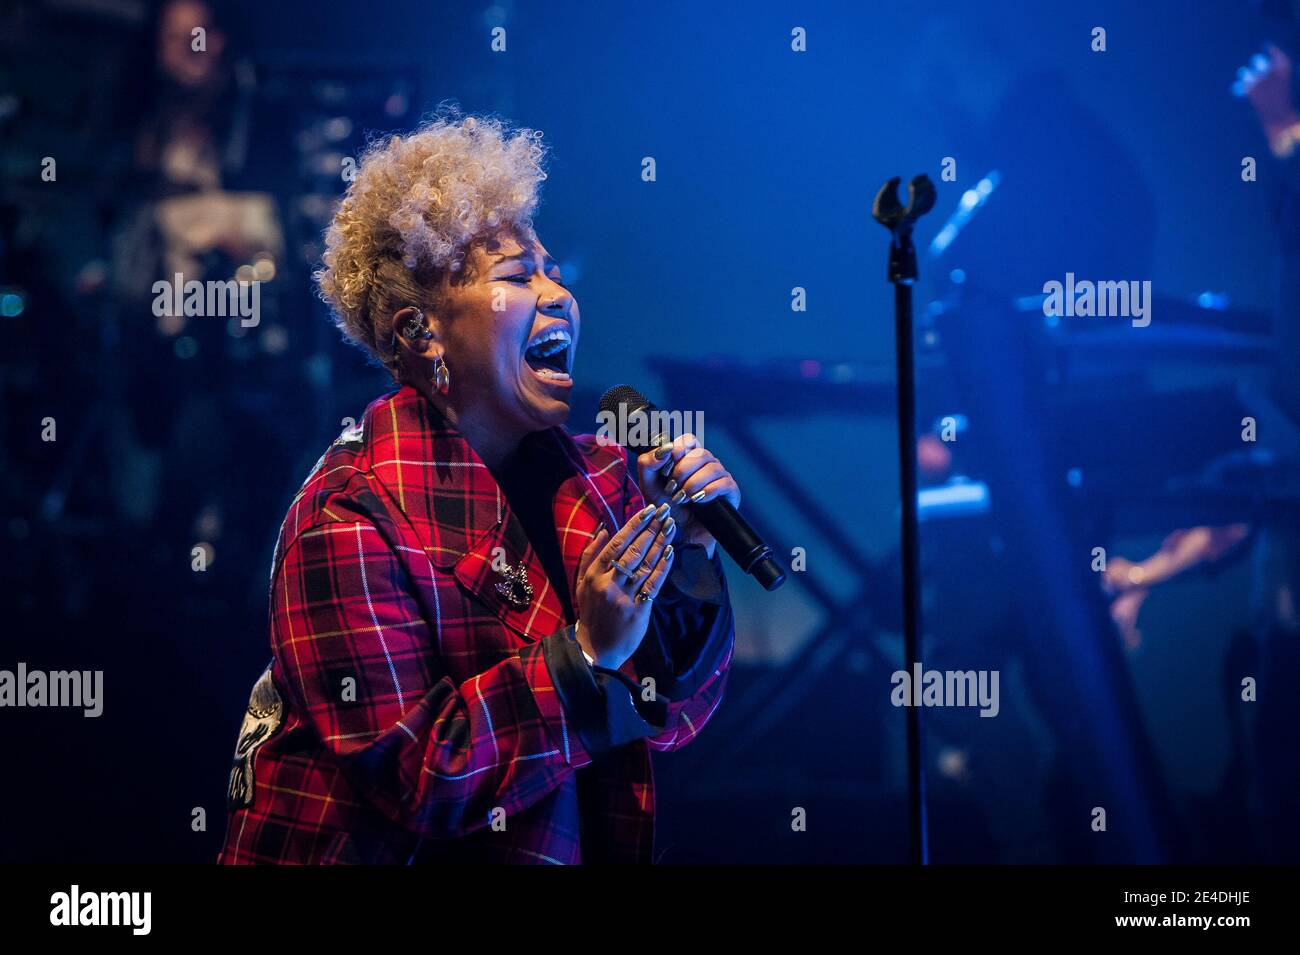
903	272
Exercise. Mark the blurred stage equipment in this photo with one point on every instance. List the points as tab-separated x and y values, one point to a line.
1084	439
1130	389
327	105
972	200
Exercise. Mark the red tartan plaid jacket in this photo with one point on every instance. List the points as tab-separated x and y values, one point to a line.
422	705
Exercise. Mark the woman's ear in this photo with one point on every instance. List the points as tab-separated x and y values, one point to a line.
411	331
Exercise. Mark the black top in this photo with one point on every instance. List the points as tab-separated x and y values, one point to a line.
529	481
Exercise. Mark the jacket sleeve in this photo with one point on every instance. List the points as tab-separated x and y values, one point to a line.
360	663
688	646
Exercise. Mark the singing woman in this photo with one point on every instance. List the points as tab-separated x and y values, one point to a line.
481	626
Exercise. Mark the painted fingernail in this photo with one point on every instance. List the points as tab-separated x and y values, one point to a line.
663	451
670	528
670	487
679	497
662	512
698	496
668	552
645	515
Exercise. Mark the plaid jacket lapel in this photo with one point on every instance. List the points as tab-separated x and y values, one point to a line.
464	520
595	493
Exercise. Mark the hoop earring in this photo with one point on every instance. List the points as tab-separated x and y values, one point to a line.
441	376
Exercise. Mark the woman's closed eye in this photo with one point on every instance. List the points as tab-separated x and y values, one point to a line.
523	278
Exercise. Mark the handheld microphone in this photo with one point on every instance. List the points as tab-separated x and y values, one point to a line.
719	517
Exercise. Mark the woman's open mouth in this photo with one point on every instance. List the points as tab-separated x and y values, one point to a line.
549	355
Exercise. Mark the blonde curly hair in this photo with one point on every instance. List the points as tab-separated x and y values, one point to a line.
409	217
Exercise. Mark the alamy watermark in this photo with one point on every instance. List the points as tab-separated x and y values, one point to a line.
210	299
643	429
82	688
74	907
1124	299
946	688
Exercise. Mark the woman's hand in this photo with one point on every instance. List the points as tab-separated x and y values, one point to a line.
618	580
686	472
1124	611
1267	84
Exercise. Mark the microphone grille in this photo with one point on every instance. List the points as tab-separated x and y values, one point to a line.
624	395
